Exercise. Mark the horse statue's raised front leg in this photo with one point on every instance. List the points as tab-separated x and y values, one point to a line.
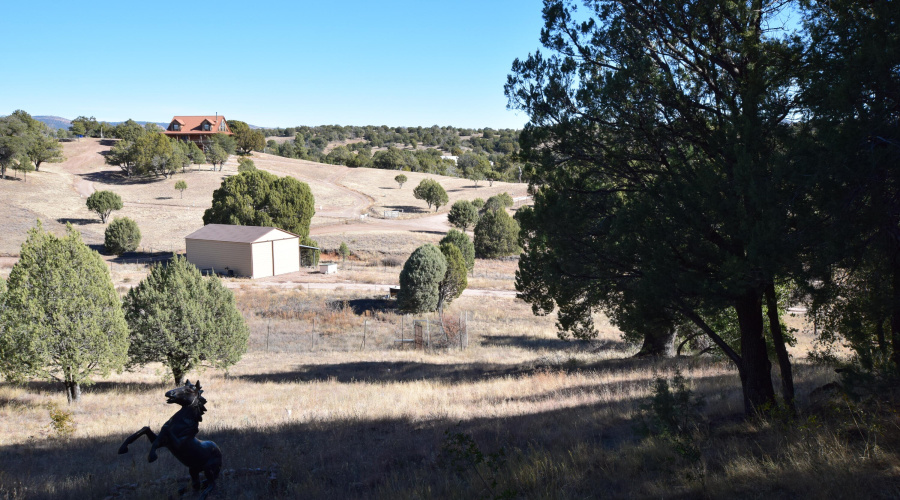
134	437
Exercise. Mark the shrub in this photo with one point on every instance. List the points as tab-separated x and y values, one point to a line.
498	202
245	164
389	261
62	423
344	251
496	235
122	235
401	180
420	278
478	203
462	241
103	203
463	214
307	256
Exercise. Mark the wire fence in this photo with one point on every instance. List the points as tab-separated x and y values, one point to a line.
368	332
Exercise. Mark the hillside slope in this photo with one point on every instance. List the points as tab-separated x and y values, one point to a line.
57	193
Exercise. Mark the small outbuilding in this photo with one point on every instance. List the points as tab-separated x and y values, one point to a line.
252	251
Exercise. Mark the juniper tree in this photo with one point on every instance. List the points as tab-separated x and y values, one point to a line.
465	245
496	235
430	191
463	214
184	320
181	186
62	319
658	134
454	281
103	203
419	280
258	198
122	235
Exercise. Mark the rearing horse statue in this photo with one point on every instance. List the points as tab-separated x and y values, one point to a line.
179	435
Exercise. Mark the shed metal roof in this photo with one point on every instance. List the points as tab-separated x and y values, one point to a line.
239	234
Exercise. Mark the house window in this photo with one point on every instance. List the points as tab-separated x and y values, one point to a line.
176	126
222	126
206	126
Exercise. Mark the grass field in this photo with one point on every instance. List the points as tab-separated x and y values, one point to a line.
326	403
324	417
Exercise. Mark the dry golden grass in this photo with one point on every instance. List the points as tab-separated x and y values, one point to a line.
339	420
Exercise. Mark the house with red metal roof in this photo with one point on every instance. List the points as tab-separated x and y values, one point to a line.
197	129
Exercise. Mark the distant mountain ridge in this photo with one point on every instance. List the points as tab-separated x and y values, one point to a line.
56	122
59	122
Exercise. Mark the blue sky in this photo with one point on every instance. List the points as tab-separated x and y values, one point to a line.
268	63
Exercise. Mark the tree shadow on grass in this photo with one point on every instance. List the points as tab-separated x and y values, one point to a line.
545	343
336	458
117	177
78	222
439	233
408	209
389	371
362	306
581	450
138	257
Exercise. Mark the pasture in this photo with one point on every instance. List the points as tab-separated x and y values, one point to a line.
326	403
309	412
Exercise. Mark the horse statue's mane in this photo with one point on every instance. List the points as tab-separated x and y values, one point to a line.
199	405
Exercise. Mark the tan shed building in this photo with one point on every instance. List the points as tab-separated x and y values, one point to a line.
253	251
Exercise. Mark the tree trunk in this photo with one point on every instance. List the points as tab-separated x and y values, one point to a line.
178	374
784	361
73	391
658	342
756	376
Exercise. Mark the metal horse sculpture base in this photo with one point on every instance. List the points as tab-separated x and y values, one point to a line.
179	435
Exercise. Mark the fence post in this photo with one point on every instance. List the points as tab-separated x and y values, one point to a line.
365	327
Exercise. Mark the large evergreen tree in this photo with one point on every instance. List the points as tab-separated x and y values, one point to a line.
852	93
657	131
258	198
184	320
62	319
